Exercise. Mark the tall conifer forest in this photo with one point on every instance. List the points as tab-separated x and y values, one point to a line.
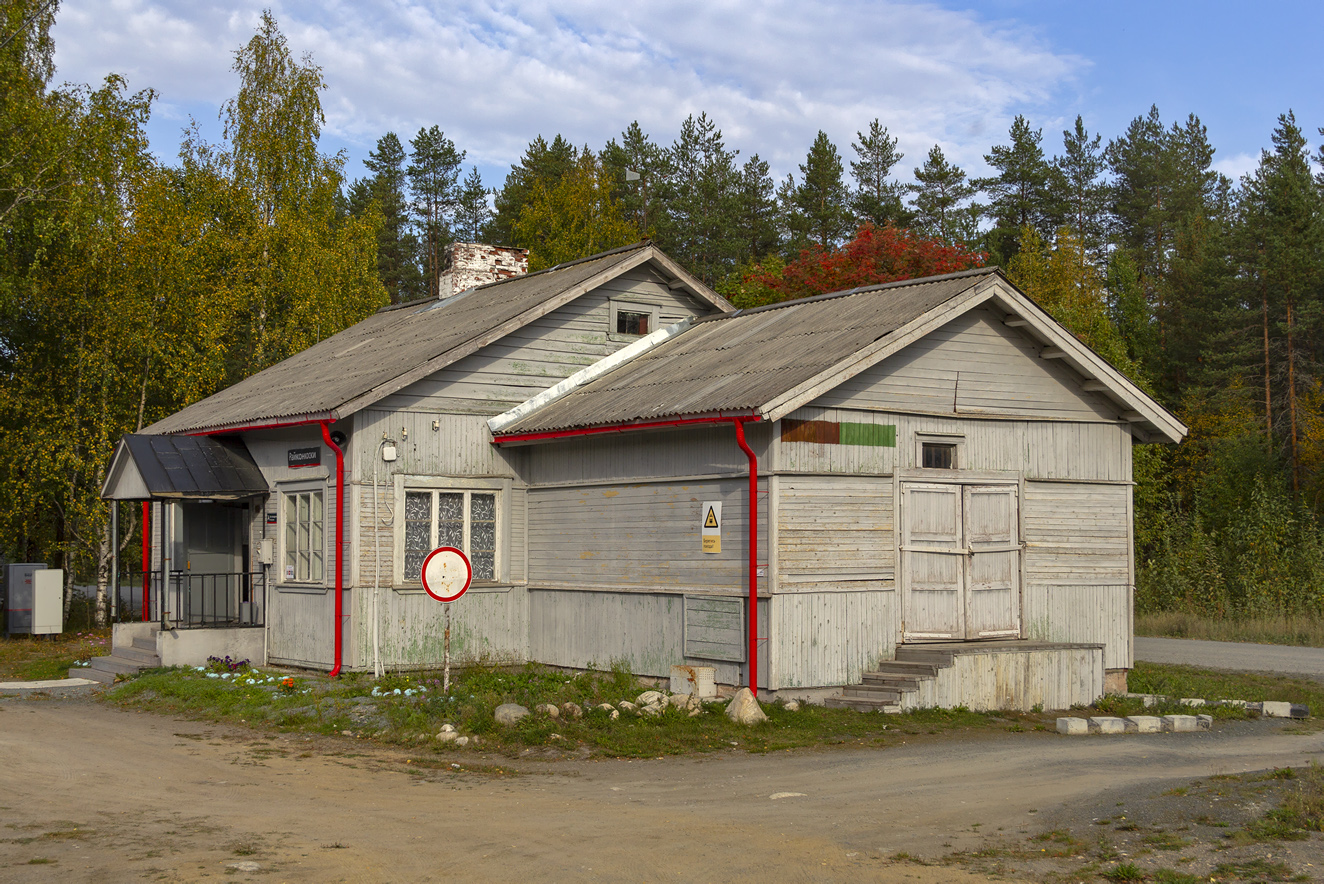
130	287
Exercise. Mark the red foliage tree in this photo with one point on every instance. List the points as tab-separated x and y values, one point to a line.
876	255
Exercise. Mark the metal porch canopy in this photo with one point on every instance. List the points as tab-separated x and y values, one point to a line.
148	467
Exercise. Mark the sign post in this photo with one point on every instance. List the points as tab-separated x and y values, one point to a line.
446	576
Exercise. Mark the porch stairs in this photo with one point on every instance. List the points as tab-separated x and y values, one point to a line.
123	659
882	690
1007	674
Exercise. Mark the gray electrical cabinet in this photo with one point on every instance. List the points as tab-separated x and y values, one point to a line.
19	595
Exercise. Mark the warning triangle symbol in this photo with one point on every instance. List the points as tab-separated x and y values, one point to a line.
711	521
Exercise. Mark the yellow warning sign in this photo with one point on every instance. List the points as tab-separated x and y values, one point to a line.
710	527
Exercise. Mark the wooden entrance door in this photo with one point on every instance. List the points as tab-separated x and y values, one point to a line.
960	561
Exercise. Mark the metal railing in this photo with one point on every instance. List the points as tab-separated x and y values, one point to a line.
193	600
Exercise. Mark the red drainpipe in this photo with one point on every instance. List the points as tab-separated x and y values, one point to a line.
147	554
340	543
753	556
739	422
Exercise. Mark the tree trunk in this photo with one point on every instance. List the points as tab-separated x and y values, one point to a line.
1291	402
1268	403
105	551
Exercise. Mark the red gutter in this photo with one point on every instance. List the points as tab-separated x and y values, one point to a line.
147	555
340	543
739	421
753	556
252	428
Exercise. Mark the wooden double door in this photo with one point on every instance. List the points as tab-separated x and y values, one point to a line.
960	561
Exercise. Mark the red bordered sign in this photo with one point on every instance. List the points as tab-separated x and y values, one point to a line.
447	573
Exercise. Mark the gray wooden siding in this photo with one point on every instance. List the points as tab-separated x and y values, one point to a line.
973	364
1076	534
830	638
692	451
1099	614
300	628
641	535
1036	449
485	626
1052	678
835	534
460	446
533	358
645	631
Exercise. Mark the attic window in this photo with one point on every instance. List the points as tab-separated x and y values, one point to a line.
631	321
938	455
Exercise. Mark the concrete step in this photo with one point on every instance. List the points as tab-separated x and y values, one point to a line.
145	644
907	668
147	658
893	682
920	654
92	674
861	705
115	665
872	692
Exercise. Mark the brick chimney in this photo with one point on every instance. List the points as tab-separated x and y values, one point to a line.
470	264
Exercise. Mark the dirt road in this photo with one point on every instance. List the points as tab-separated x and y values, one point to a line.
90	793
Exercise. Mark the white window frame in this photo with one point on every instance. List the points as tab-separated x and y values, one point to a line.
957	442
328	563
653	311
443	485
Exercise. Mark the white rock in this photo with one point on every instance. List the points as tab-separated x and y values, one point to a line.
651	698
549	709
684	701
627	706
1144	724
744	709
791	705
509	713
447	736
246	865
1192	701
1073	726
609	709
462	741
572	711
448	728
651	710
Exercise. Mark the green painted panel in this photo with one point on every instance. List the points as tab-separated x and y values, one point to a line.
873	435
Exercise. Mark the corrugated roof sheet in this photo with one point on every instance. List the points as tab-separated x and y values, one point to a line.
380	349
196	467
742	361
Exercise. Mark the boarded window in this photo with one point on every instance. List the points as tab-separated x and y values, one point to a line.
465	520
938	456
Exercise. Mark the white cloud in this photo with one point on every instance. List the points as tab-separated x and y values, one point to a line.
1236	166
495	74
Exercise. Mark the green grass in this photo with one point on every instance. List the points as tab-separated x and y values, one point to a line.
320	705
1301	630
37	658
1211	684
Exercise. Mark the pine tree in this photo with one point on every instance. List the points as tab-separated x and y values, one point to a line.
817	208
473	215
701	215
643	198
1022	193
542	163
397	247
434	172
877	198
941	203
756	212
1081	191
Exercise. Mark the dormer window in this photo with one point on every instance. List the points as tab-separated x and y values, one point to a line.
630	321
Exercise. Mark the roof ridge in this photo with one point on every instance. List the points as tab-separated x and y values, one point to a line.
899	283
596	257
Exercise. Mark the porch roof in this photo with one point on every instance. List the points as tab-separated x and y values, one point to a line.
147	467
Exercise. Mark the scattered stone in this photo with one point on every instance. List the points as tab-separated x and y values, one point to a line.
244	865
651	710
1107	724
1151	700
627	706
448	728
1192	701
1178	724
744	709
1144	724
685	701
447	736
1299	711
1276	709
509	713
791	705
1204	722
551	710
609	709
777	796
462	741
555	737
651	698
572	711
1073	726
347	733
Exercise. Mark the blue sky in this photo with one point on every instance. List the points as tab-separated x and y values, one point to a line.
495	74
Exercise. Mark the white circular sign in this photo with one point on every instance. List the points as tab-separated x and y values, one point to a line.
446	573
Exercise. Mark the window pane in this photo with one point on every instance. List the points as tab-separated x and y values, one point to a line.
450	520
482	536
301	572
316	505
317	566
629	322
484	565
414	565
483	508
418	506
938	456
417	536
450	507
450	534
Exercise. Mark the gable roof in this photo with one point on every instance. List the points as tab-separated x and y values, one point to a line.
182	467
769	361
400	345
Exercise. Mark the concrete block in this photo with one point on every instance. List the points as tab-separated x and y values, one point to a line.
1204	722
1238	703
1144	724
1152	700
1255	708
1178	724
1107	724
1276	709
1299	711
1073	726
1192	701
700	681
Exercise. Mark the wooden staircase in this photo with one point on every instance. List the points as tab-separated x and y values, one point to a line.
881	690
123	660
